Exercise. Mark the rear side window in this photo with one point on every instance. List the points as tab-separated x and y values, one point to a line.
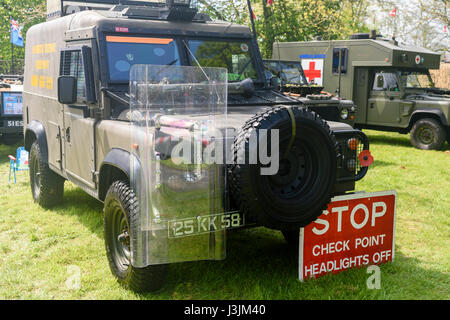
72	65
344	60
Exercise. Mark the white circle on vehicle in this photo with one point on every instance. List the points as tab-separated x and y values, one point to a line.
122	66
159	52
244	47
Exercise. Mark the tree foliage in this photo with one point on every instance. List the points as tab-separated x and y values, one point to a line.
417	22
293	20
26	13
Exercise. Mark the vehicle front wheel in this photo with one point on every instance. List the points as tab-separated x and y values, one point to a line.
47	187
120	209
428	134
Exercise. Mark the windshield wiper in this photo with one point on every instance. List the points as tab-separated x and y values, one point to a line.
173	62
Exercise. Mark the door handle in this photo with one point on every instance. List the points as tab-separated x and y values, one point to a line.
372	105
68	134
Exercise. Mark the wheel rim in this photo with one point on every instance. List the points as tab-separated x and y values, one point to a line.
425	135
294	174
36	176
120	239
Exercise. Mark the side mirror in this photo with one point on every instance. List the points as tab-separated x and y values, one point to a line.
67	89
380	81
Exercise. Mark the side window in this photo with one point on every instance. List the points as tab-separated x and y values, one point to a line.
72	65
344	60
389	82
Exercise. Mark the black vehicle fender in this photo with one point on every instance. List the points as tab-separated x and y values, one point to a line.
118	164
35	131
427	113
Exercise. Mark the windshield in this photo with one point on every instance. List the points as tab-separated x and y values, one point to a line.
235	56
292	72
124	52
415	79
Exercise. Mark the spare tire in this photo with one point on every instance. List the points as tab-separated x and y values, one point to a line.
296	195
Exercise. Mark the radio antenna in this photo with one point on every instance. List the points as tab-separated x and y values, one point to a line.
259	66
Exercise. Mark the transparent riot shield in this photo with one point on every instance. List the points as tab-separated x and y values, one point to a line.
177	117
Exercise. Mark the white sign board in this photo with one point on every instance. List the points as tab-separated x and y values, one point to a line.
313	69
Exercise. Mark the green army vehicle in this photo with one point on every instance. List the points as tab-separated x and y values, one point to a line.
388	81
112	88
293	82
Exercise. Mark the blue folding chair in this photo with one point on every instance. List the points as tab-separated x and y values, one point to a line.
18	163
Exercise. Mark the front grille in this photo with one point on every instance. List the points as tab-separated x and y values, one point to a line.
329	113
349	165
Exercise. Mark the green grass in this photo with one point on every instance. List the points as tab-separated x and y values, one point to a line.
38	247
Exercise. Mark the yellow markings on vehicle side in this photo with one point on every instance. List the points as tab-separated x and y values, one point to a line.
42	64
42	81
34	81
50	47
49	83
44	48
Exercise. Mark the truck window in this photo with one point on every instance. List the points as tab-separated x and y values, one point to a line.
416	79
390	82
271	69
72	65
293	73
344	59
232	55
124	52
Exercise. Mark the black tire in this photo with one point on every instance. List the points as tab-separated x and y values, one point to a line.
119	211
47	187
428	134
303	186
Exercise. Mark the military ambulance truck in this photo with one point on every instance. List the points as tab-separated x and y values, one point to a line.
117	92
388	81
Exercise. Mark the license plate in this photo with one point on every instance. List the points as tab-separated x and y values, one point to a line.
14	123
205	224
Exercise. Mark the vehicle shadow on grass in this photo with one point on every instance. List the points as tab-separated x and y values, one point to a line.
402	140
88	210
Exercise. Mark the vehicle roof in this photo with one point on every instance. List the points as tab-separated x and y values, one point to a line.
374	52
106	20
389	44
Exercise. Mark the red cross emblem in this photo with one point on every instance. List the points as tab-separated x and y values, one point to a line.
418	59
312	73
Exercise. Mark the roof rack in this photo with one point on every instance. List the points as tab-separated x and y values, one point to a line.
184	10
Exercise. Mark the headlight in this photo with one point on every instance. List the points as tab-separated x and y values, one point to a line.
344	114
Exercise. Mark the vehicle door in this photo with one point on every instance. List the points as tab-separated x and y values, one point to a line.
78	132
384	99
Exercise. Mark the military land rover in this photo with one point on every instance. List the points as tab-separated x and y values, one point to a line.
388	81
112	88
293	82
